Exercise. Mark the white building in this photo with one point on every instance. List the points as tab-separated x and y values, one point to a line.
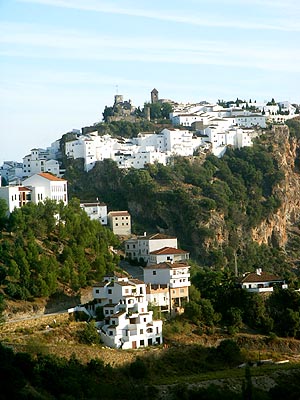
127	323
45	185
220	138
143	246
15	196
96	211
168	254
91	147
139	159
11	171
38	161
260	281
249	121
180	142
168	282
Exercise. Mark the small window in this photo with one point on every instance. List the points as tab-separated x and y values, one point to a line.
109	291
141	331
97	291
153	272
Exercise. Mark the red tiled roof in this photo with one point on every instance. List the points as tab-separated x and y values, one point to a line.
51	177
137	281
166	265
118	213
168	250
262	277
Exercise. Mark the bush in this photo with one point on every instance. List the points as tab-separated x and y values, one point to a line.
89	334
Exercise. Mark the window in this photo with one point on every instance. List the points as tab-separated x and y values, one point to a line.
97	290
142	343
110	333
106	311
181	290
109	291
153	272
141	331
145	319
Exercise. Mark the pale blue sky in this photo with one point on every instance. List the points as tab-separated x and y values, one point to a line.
61	60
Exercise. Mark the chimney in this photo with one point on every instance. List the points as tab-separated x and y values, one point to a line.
145	233
258	271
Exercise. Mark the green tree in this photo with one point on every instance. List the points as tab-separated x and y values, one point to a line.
3	213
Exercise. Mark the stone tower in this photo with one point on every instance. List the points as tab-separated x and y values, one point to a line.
154	96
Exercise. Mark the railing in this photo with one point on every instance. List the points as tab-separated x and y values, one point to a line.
179	284
260	290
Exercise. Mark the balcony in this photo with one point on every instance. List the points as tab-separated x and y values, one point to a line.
178	284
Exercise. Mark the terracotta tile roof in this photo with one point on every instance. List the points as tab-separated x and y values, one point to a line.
166	265
137	281
168	250
262	277
100	284
24	189
122	283
51	177
119	213
118	314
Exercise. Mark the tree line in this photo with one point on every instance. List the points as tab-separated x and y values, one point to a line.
46	245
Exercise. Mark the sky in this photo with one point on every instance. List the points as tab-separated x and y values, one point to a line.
62	61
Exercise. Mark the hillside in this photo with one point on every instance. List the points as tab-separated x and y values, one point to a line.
51	250
244	206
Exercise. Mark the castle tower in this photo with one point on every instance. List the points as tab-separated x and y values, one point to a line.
118	99
154	96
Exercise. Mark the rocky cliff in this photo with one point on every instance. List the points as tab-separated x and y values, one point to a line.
280	226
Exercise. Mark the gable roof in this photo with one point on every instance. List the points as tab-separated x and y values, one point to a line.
50	177
168	250
118	213
167	265
262	277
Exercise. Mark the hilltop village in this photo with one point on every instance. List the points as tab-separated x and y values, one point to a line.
122	303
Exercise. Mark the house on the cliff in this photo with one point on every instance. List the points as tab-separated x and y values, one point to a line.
261	282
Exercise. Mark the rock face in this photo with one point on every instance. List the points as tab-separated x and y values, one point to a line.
276	229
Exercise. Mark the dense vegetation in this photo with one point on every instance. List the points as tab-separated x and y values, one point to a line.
210	205
47	245
217	301
28	376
